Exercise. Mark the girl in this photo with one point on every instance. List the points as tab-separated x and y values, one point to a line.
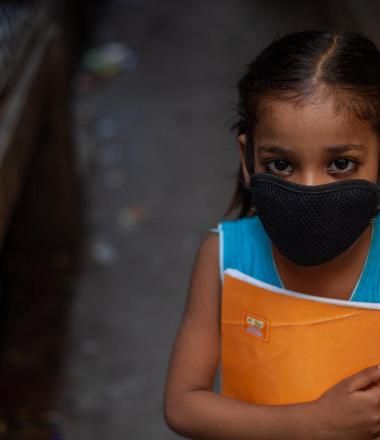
309	125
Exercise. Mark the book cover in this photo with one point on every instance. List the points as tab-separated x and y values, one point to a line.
281	347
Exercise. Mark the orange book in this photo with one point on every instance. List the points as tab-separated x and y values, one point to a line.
281	347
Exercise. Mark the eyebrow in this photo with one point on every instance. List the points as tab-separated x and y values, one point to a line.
336	148
345	147
272	149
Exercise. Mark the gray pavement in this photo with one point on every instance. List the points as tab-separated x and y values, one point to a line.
161	172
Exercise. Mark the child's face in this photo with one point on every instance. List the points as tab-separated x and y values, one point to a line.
312	146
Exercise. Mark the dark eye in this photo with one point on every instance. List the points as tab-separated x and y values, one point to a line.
278	166
342	165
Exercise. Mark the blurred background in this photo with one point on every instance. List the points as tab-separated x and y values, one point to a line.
116	157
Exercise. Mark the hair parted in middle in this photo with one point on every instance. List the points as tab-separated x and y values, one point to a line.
304	67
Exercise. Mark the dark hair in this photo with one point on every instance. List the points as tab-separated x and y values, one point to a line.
345	65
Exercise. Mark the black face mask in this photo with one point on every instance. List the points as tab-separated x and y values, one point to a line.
311	225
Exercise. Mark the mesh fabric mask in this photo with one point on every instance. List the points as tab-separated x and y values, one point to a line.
311	225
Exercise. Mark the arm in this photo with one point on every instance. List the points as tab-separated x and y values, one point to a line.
191	407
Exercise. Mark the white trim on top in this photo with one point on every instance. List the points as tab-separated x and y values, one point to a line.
243	277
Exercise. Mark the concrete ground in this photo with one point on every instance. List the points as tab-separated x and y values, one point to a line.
159	166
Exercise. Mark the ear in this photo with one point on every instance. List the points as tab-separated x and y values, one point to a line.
242	140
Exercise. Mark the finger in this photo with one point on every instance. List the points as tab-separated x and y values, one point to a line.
363	379
373	392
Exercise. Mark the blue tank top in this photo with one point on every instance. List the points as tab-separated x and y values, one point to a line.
244	245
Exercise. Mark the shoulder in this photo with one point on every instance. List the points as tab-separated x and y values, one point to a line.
230	232
238	222
239	229
226	245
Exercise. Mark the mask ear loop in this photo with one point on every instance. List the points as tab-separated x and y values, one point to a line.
378	202
377	209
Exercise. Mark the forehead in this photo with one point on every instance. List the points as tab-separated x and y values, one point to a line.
309	124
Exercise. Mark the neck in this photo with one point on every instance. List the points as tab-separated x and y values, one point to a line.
334	279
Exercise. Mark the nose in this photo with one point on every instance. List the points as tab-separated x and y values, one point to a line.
312	178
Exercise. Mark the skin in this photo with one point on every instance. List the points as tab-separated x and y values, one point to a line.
311	145
351	409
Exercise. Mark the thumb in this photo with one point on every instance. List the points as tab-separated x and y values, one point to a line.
363	379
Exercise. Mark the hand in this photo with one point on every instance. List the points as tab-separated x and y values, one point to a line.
350	410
